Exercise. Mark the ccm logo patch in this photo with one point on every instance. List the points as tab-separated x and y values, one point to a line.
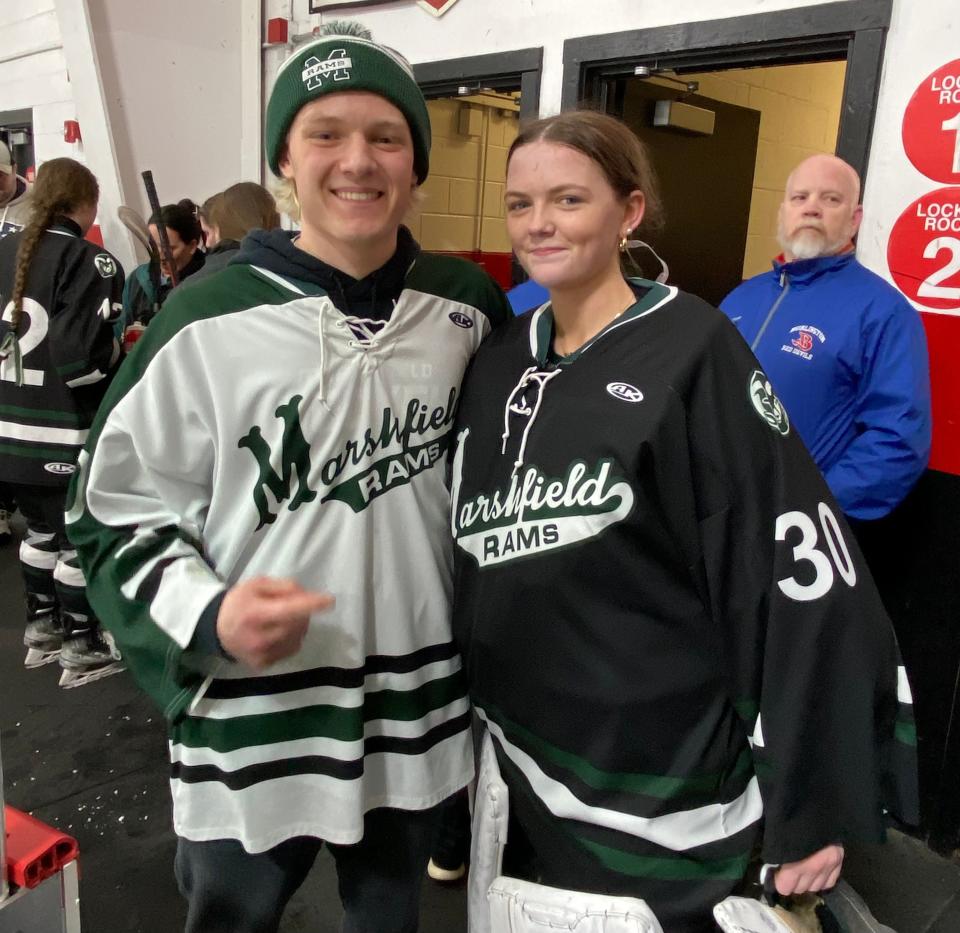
61	469
625	392
461	319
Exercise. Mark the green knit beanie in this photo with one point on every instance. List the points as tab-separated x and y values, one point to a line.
346	59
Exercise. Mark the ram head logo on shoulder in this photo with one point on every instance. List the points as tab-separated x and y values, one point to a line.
767	405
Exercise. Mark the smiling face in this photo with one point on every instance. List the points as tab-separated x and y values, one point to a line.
819	214
350	156
563	217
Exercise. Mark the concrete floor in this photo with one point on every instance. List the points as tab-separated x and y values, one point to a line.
92	761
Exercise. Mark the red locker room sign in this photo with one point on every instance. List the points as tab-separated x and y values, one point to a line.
931	125
923	251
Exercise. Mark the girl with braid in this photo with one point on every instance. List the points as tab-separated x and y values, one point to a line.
60	295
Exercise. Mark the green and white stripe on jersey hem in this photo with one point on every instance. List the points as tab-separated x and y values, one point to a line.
318	720
43	434
339	750
678	831
321	721
327	694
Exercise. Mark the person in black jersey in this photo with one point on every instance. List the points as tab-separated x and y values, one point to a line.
61	295
666	625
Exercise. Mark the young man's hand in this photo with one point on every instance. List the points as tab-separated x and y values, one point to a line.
264	620
816	872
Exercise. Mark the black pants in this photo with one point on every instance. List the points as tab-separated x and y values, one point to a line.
231	891
48	562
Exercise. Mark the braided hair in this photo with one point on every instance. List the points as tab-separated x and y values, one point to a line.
62	186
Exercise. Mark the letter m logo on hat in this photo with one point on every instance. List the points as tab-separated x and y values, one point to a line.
336	64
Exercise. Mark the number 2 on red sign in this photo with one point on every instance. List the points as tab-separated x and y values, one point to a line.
930	287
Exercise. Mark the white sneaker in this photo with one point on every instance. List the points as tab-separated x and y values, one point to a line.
445	875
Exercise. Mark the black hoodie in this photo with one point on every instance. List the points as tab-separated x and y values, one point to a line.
373	296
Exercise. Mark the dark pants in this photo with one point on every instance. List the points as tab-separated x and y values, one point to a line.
48	561
232	891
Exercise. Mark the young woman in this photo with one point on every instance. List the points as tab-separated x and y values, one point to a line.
151	282
227	218
665	623
60	296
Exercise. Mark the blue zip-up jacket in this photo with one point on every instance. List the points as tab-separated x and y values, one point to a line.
847	355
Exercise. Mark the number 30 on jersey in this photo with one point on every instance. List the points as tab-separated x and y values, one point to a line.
807	551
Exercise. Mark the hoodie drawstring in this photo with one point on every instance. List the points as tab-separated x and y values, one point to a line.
540	379
323	356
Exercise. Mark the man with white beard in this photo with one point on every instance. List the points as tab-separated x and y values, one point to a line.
844	350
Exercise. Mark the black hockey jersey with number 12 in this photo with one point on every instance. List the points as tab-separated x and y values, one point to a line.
665	621
68	350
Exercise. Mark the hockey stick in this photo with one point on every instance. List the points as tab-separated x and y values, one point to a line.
165	254
137	226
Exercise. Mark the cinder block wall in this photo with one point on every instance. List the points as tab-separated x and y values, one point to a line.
446	218
799	115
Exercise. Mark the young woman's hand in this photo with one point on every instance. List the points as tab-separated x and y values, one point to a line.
816	872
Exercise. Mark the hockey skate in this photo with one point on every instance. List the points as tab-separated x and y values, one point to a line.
43	635
87	656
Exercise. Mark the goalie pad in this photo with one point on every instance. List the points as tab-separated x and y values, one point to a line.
524	907
489	836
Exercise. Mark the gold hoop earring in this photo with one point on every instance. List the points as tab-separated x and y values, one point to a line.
623	241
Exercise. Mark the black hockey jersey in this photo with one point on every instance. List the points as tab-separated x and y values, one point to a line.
665	621
68	351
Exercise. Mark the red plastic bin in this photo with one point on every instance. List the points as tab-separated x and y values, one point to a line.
35	851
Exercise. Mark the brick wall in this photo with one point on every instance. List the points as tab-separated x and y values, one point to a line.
446	220
799	115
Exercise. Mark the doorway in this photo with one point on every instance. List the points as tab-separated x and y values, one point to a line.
727	140
755	63
475	105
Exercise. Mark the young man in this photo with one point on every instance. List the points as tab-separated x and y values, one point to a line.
261	508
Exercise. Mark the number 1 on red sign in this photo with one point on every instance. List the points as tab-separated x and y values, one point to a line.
954	124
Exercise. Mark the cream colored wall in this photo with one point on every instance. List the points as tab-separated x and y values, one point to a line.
799	115
446	219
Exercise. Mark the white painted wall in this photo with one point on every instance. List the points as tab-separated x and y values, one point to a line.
924	34
475	27
181	93
154	85
33	74
172	74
